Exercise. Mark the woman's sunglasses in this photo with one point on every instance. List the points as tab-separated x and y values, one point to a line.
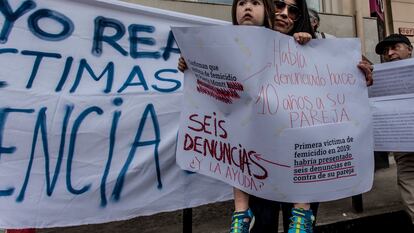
293	10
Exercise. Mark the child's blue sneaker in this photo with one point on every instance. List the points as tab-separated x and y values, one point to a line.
242	222
301	221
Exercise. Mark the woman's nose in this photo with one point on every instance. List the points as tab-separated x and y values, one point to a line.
248	5
390	52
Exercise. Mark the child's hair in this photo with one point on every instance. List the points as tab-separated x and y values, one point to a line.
303	23
269	14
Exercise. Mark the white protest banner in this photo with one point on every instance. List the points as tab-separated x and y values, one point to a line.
393	78
392	100
393	123
90	103
273	118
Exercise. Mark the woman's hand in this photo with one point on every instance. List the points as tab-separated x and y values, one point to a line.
302	37
182	65
367	69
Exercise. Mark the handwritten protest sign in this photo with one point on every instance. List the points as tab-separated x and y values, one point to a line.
89	107
273	118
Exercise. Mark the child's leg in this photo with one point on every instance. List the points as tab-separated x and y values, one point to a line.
287	213
241	200
302	219
305	206
243	219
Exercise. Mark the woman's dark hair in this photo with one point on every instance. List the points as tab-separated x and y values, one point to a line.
303	23
269	16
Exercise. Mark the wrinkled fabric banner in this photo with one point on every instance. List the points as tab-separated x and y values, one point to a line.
90	104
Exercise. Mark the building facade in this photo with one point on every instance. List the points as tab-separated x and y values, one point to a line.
400	17
369	20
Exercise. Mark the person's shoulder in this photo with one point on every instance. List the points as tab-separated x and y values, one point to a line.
323	35
327	35
318	35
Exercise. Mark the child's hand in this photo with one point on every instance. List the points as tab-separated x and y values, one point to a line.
302	37
182	66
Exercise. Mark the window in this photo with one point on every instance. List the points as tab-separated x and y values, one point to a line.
314	4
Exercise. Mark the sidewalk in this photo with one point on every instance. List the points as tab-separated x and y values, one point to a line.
215	218
383	198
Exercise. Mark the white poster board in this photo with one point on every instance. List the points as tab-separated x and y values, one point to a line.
273	118
393	78
392	101
393	122
90	102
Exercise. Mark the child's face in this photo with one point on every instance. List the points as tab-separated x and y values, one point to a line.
286	14
250	12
